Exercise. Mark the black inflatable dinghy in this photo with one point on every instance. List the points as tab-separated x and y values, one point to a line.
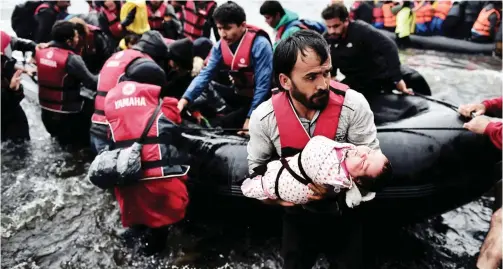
438	165
441	43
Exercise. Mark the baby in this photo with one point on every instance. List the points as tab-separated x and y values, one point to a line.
323	162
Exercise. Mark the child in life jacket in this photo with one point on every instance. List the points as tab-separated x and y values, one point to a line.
323	162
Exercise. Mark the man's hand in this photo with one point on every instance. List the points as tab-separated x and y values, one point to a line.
41	46
477	125
319	192
197	65
490	253
245	127
15	81
401	86
466	110
30	70
182	104
277	202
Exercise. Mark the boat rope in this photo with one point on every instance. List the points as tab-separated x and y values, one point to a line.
449	105
379	129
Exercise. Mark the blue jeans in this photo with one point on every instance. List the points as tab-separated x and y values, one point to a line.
98	143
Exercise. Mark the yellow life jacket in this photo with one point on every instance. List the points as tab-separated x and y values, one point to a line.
140	24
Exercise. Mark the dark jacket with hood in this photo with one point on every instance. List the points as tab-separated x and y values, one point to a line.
365	54
46	17
145	70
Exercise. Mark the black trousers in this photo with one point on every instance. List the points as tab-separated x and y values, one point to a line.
307	234
68	129
15	125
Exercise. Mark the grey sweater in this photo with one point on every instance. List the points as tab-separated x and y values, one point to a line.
356	126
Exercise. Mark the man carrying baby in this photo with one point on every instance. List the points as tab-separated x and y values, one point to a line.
310	104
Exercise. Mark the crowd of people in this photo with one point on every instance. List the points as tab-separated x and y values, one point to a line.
128	72
478	21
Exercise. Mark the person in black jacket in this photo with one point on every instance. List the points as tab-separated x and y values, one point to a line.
368	59
94	46
69	128
14	121
47	16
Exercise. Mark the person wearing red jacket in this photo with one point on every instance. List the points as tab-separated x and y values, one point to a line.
484	125
490	253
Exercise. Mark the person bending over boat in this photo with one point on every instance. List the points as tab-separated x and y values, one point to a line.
60	72
308	104
485	27
94	46
490	253
286	22
145	58
109	19
160	198
338	166
162	18
46	15
368	59
197	18
244	52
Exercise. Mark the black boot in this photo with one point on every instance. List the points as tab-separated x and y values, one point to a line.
154	241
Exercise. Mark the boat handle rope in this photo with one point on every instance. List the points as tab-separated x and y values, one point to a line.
449	105
379	129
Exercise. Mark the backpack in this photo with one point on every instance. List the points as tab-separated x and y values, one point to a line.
23	19
309	24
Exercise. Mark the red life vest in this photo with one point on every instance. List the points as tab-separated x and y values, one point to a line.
162	200
112	71
424	14
442	9
57	91
389	18
193	21
113	23
377	14
482	26
4	41
128	107
155	18
240	60
293	136
46	5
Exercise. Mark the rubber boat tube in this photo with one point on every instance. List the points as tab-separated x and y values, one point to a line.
442	43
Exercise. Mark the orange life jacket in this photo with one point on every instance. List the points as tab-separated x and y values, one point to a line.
389	18
482	26
424	14
442	9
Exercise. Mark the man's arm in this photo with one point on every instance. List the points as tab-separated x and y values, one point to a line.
202	80
362	129
493	21
493	106
23	45
493	130
260	147
129	18
386	49
76	67
262	59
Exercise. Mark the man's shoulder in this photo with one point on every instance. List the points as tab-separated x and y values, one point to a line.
354	100
261	41
263	111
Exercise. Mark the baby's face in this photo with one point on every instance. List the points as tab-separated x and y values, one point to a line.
363	161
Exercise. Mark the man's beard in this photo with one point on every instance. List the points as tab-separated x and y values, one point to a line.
317	101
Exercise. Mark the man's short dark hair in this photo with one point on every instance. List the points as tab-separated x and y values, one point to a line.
229	13
377	183
271	7
63	31
335	11
287	51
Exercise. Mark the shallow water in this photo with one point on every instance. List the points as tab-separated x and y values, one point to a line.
52	217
